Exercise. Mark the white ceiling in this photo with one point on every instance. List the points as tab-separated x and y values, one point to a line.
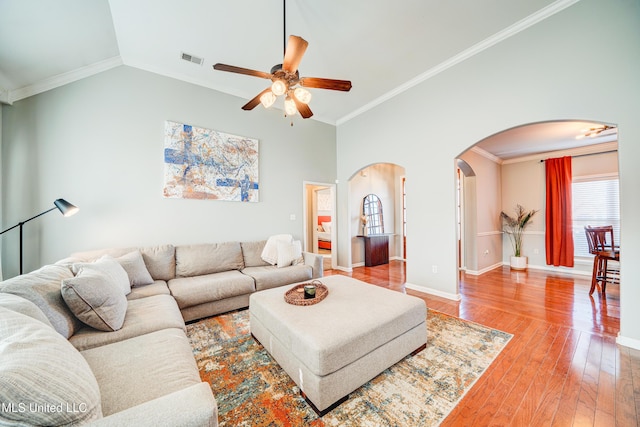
383	47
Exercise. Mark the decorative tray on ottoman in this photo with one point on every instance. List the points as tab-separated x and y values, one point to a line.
295	295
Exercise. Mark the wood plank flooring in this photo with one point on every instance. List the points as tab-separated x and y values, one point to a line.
562	367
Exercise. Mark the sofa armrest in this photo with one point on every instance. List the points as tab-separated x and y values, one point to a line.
316	262
192	406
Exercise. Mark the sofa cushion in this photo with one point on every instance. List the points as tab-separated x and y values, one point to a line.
24	306
144	315
196	260
252	253
109	267
158	287
190	291
142	368
95	299
133	264
43	379
270	276
289	253
42	287
160	261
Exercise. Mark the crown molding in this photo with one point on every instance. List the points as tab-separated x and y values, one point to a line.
62	79
512	30
486	154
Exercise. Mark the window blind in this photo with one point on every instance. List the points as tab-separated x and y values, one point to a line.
595	203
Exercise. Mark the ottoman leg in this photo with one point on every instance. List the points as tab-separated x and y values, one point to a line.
324	411
419	349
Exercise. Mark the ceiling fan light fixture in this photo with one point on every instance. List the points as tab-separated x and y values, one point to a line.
290	107
302	95
278	87
267	99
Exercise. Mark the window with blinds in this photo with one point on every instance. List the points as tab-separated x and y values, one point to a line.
596	202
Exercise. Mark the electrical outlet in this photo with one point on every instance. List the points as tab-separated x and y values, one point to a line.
536	251
434	268
292	217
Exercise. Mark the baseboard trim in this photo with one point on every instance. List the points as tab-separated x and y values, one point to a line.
345	269
566	270
484	270
628	342
430	291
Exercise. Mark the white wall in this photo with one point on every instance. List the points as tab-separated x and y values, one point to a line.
99	144
523	184
546	72
488	196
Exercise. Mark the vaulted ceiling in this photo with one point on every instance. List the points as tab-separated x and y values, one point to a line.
383	47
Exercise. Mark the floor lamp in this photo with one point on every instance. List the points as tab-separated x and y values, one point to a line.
66	208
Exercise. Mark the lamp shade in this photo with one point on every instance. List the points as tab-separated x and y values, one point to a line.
289	107
278	87
66	208
268	99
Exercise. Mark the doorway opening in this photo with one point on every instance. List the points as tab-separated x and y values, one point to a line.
510	171
319	221
386	181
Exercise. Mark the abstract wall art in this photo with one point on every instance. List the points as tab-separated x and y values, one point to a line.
202	163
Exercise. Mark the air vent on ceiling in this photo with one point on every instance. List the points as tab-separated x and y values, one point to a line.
192	58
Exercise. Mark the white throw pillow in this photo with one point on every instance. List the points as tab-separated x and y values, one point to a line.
133	264
43	379
270	251
326	226
95	299
289	253
109	266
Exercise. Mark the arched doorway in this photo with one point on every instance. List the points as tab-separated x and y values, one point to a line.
509	170
386	181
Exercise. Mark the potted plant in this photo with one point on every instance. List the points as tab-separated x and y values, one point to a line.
514	227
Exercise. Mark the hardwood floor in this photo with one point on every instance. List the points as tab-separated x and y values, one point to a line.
562	367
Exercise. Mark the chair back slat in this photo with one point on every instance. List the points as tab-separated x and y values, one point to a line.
600	238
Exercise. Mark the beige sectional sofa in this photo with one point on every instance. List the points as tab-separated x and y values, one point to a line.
128	361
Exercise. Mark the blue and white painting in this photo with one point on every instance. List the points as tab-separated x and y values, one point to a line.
201	163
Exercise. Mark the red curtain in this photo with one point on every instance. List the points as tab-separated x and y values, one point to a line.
559	227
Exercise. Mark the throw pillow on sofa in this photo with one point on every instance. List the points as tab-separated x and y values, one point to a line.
289	253
270	251
107	265
95	299
133	264
43	379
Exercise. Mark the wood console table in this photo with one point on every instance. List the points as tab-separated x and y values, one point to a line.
376	249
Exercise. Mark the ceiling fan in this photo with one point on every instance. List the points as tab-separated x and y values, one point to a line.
286	80
596	131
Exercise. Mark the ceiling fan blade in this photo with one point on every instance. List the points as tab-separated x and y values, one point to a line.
303	108
296	46
316	82
255	101
240	70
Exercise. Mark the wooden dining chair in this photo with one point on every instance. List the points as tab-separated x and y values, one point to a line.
602	246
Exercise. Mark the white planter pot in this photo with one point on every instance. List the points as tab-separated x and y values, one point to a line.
518	262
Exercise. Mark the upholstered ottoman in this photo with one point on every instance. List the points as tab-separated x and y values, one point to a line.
331	348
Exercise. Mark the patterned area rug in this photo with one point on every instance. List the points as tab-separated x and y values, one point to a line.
252	390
